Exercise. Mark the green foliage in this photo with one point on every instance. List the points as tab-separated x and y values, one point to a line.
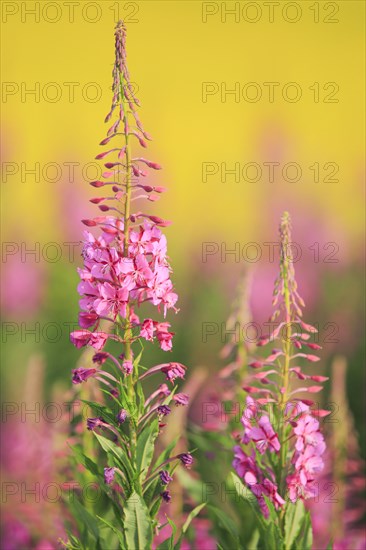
145	448
137	523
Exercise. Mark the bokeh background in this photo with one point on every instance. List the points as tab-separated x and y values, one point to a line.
203	74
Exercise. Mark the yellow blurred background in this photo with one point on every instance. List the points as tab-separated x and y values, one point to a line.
254	107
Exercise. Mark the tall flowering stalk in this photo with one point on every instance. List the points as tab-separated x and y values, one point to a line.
280	452
125	267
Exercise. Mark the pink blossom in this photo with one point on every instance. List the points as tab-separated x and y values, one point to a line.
81	338
249	414
127	366
270	490
309	462
296	488
173	371
147	329
307	431
265	436
112	300
164	336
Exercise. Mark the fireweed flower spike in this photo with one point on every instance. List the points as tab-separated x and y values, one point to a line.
280	453
126	265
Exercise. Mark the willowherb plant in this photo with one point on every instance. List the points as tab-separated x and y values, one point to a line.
280	452
125	266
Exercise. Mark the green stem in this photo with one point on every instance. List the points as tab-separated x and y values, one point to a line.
127	213
285	375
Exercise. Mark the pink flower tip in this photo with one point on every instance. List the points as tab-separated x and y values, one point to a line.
313	358
97	183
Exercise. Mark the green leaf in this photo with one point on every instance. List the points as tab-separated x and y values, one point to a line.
141	396
87	462
308	533
272	537
187	523
137	524
115	530
253	543
145	448
168	544
167	451
86	518
72	543
110	447
225	521
194	486
294	518
248	497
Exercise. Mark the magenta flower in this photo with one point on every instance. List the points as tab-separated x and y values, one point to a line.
173	371
307	431
181	399
127	366
250	414
186	459
165	478
164	410
264	436
93	423
81	375
109	475
165	495
111	301
252	476
147	330
121	416
82	338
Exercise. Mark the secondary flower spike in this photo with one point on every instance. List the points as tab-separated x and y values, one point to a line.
282	446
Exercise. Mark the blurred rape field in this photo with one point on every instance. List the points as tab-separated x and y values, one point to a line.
252	112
